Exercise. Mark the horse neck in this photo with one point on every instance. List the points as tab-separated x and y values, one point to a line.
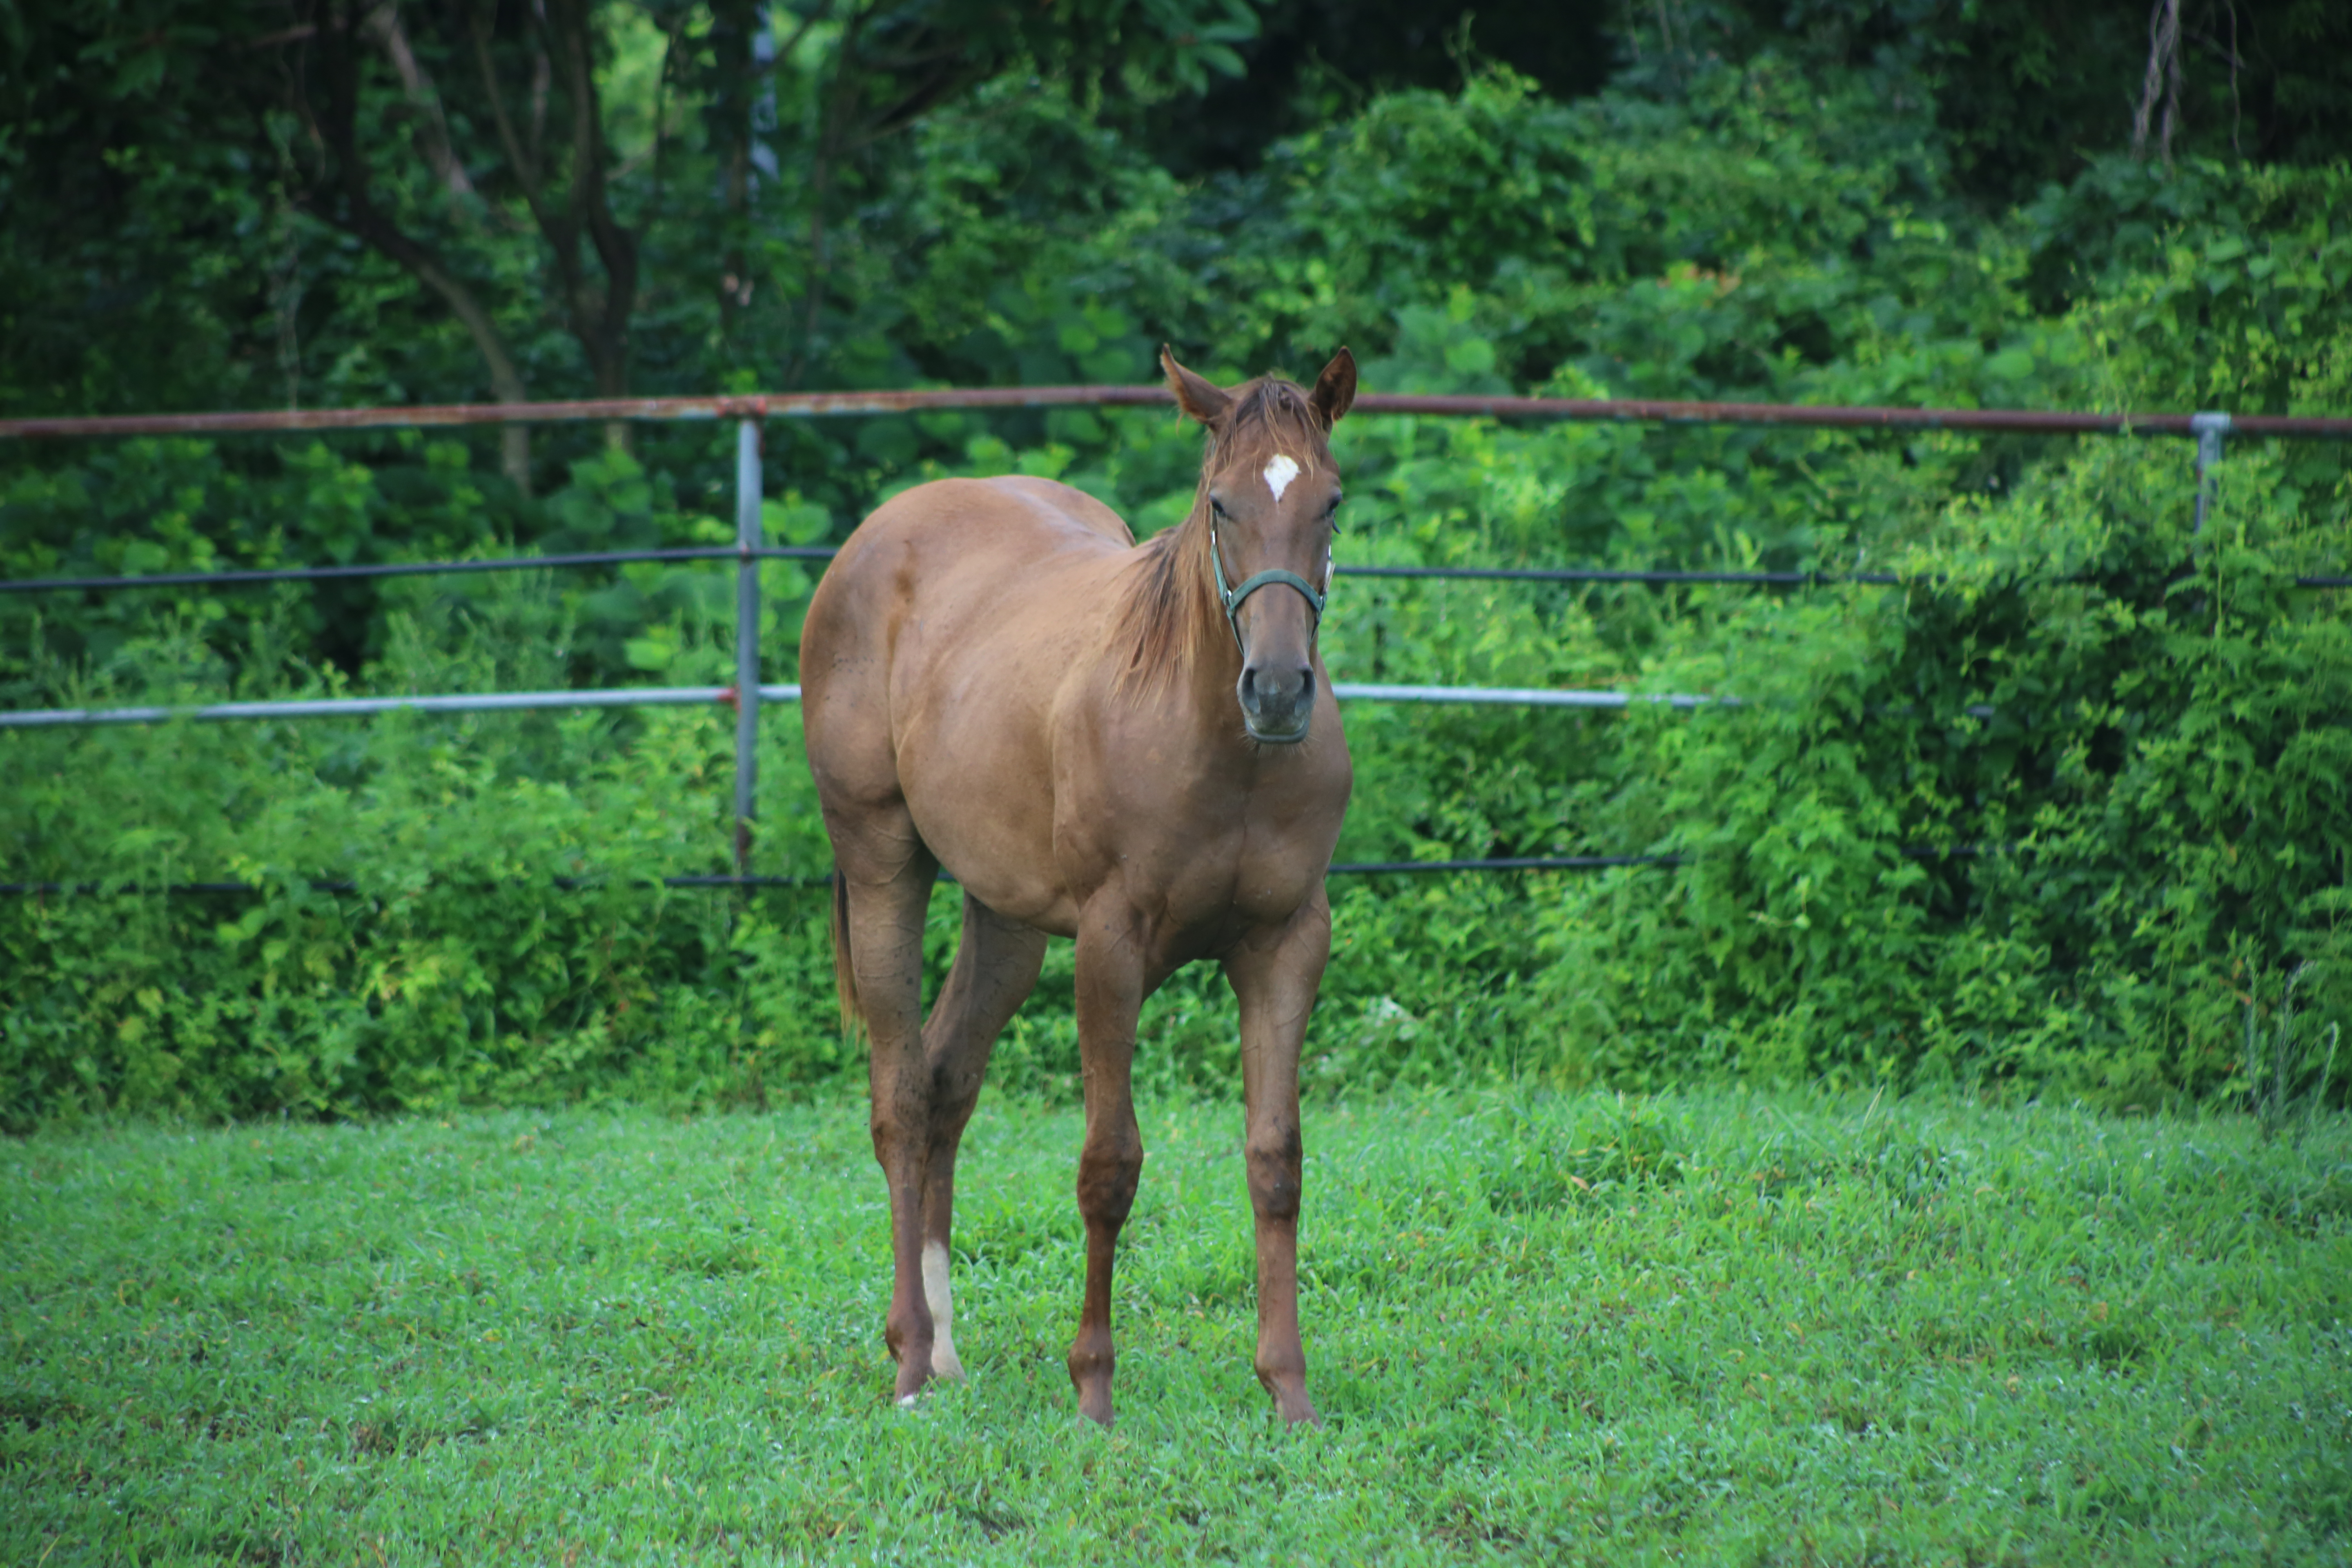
1174	639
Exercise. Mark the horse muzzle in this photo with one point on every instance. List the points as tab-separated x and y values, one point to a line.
1277	703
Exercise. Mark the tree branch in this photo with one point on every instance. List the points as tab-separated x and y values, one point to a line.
590	203
2163	83
346	173
525	165
433	126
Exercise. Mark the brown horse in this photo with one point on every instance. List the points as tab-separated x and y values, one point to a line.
1136	746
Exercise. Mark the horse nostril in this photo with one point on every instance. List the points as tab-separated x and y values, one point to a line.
1249	682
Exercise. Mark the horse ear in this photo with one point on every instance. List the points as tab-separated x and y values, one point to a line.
1334	389
1194	394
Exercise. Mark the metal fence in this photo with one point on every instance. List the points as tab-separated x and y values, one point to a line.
750	413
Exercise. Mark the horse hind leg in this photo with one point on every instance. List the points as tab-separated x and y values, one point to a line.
995	968
885	904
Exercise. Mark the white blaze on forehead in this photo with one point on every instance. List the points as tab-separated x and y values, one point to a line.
1279	471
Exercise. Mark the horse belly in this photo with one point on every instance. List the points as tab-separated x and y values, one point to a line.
976	770
933	647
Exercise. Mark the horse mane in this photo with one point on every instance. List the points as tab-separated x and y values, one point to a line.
1169	607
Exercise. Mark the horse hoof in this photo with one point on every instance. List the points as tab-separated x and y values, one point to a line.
1296	1410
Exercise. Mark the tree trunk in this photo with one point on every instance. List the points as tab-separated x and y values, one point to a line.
332	117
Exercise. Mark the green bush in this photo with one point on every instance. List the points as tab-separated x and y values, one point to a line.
2142	767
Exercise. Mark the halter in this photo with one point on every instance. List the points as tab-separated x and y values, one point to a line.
1232	597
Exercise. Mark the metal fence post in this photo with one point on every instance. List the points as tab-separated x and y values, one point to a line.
747	635
2209	429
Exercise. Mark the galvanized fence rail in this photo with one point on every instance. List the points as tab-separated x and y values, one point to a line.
826	553
2207	430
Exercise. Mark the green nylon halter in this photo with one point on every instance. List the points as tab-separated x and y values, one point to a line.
1232	597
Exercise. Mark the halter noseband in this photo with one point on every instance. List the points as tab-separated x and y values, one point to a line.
1232	597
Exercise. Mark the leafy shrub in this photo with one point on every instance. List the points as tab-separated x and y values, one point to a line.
2140	767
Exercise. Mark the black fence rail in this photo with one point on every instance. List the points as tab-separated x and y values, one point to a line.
123	889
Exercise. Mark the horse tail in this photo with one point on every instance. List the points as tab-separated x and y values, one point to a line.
845	976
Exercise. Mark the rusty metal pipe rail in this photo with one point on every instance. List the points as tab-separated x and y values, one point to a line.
828	405
2003	421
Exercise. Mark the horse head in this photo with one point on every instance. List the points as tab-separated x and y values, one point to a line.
1269	501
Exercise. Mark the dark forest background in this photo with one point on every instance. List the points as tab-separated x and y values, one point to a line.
218	205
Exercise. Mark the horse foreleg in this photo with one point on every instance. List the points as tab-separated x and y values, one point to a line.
996	965
1274	974
885	945
1111	985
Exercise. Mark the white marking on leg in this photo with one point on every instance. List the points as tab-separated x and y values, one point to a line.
1279	471
942	1304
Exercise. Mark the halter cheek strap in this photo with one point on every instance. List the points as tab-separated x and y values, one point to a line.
1232	597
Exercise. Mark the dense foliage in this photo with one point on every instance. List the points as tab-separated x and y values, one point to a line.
2067	810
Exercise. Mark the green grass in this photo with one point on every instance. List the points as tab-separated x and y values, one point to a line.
1709	1326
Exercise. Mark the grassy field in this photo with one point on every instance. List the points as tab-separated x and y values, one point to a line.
1711	1326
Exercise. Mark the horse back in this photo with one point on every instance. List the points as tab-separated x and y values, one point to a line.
960	565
